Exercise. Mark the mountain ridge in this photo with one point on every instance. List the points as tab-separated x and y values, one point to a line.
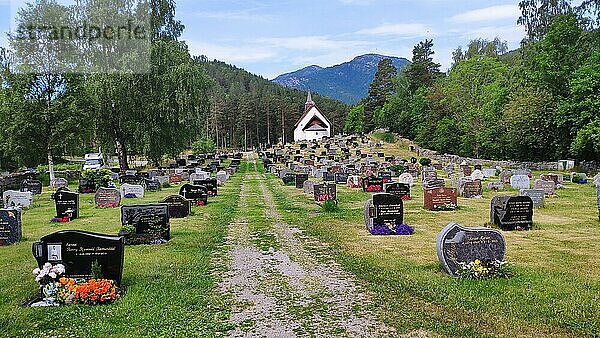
348	82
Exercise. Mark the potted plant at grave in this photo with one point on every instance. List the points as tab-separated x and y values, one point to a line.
128	231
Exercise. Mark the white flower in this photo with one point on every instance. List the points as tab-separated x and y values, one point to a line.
47	266
36	271
52	275
59	269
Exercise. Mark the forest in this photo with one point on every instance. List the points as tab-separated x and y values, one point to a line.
539	102
50	109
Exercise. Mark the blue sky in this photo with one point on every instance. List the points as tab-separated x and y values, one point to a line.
271	37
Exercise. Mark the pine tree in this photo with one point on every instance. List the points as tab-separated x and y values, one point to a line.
381	89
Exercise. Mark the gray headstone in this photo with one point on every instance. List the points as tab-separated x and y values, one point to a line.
520	182
457	244
58	183
549	187
537	196
107	198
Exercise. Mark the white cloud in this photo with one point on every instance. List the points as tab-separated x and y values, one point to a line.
488	14
309	43
229	53
407	30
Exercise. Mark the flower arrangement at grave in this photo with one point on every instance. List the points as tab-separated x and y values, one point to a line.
66	218
485	269
446	207
374	188
57	290
398	229
111	205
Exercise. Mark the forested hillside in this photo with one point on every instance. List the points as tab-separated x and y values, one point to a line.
243	103
541	102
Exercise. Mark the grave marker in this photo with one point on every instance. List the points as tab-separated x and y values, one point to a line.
384	210
399	189
198	194
341	178
537	196
549	187
440	199
78	250
407	178
107	198
179	206
512	212
372	184
520	182
132	191
151	222
457	244
300	179
33	186
11	230
67	204
325	192
17	199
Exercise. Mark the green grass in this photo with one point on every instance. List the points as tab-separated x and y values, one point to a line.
556	291
170	288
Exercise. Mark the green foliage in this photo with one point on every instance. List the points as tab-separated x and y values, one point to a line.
330	207
96	270
586	145
355	120
380	90
480	270
166	185
425	161
100	177
385	137
203	146
422	71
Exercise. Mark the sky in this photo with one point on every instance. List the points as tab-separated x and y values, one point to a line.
272	37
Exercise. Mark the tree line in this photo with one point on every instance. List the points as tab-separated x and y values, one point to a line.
60	97
540	102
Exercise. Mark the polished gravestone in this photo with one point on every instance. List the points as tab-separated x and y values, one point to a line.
372	184
512	212
457	244
198	194
179	206
300	179
78	250
440	199
67	204
386	176
384	210
210	184
471	188
341	178
33	186
11	230
537	196
325	192
309	187
151	222
152	185
17	199
107	198
132	191
549	187
399	189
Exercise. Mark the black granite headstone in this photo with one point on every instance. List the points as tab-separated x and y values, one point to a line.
457	244
385	209
289	179
372	184
152	185
151	222
198	194
86	186
399	189
67	204
78	250
328	176
33	186
210	184
300	178
386	176
341	178
325	192
179	206
10	226
512	212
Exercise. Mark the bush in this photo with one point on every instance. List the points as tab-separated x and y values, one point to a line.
203	146
166	185
330	206
386	137
100	177
425	161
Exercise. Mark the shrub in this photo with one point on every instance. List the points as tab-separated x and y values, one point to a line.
203	146
330	206
100	177
425	161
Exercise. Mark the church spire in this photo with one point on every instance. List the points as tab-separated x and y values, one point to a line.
309	102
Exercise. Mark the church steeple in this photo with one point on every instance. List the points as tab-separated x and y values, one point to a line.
309	102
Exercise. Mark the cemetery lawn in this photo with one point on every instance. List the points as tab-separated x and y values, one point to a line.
556	291
170	289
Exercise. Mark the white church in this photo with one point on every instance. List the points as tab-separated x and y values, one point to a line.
313	125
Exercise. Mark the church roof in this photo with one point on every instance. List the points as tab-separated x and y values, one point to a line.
310	104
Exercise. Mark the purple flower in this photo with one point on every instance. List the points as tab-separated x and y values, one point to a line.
404	229
381	230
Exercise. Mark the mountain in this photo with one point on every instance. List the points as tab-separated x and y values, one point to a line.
249	109
348	82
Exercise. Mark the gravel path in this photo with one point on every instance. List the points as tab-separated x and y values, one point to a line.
287	291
